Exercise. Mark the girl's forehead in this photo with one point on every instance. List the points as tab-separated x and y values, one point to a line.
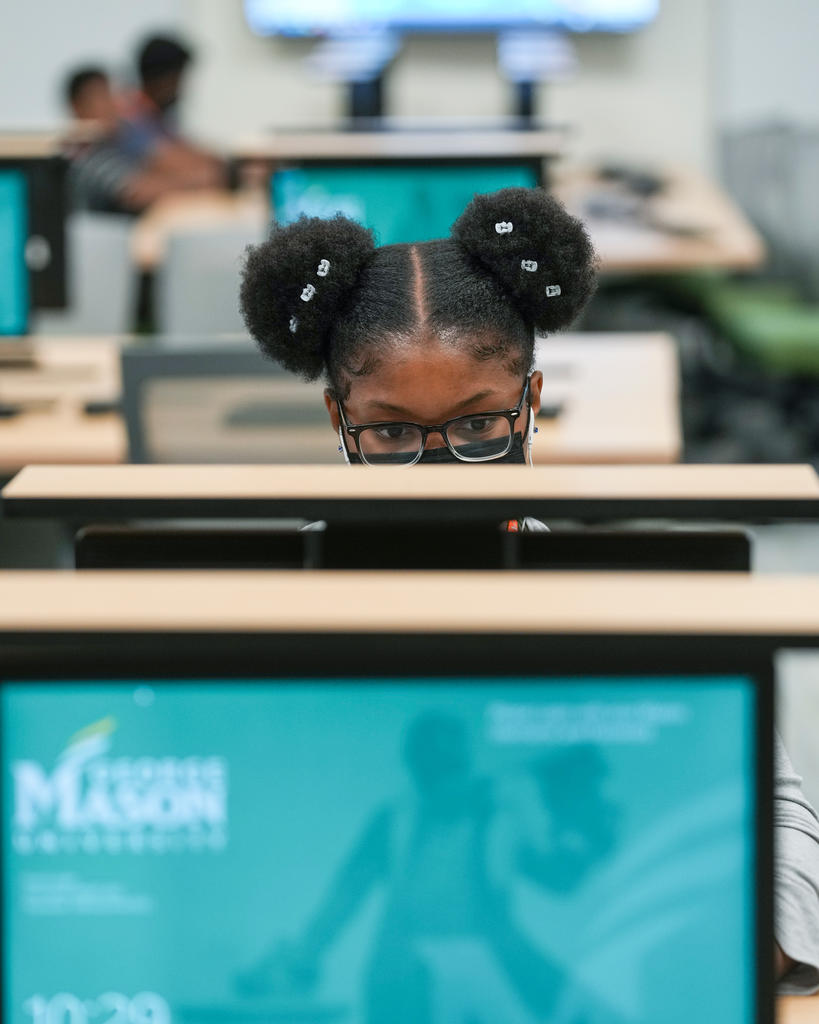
430	381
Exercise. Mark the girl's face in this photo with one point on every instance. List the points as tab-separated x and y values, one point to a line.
428	383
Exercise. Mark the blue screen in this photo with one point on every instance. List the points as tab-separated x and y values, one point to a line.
443	851
13	272
402	204
297	17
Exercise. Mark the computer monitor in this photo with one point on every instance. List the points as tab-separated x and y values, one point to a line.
386	829
404	201
44	242
14	290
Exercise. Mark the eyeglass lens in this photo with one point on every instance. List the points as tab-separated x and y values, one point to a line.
471	438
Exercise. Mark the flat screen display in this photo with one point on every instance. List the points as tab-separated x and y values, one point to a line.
389	851
401	203
14	298
295	17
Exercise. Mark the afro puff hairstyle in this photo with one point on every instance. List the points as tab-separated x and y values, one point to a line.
320	298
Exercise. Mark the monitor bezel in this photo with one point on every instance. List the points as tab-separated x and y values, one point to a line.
172	657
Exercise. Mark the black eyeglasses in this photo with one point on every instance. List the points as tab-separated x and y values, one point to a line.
476	437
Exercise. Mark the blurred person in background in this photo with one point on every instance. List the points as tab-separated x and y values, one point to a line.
119	165
151	111
110	168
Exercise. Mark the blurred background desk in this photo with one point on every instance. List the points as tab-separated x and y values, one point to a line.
688	224
619	395
796	1010
53	425
402	144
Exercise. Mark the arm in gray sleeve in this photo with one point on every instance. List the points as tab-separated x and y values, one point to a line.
796	876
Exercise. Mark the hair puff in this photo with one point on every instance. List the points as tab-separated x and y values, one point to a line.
542	256
295	284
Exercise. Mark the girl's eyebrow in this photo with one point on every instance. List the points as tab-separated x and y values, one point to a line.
397	410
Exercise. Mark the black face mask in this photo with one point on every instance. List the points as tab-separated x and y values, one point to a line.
443	454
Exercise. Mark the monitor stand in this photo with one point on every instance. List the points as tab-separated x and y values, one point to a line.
526	58
358	62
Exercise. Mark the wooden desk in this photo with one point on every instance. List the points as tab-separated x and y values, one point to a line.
291	147
427	493
67	373
595	604
797	1010
620	396
34	145
204	211
725	239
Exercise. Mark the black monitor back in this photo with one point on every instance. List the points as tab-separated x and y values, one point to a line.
406	547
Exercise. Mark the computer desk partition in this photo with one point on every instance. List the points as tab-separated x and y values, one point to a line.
424	494
137	652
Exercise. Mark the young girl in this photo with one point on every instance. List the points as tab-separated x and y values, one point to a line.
427	350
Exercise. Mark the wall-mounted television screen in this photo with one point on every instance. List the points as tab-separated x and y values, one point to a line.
326	17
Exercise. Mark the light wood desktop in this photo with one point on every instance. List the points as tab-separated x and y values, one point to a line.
618	391
619	395
54	427
406	144
427	493
296	602
796	1010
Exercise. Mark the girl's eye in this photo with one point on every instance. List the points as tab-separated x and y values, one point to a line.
393	432
478	425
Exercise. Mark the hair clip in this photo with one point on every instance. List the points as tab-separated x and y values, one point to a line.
323	268
293	325
530	265
504	227
552	290
308	293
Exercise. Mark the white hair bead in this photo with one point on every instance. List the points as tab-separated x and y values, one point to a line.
530	265
552	290
294	325
323	268
308	293
504	227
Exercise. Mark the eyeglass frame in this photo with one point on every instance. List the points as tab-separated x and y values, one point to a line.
510	415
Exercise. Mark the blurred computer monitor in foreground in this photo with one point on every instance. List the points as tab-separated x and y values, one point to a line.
397	828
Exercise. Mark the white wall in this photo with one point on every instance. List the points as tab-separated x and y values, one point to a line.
767	62
42	39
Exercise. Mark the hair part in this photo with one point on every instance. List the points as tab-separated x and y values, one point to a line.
319	298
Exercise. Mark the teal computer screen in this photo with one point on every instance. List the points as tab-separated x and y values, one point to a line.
437	851
401	203
13	273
